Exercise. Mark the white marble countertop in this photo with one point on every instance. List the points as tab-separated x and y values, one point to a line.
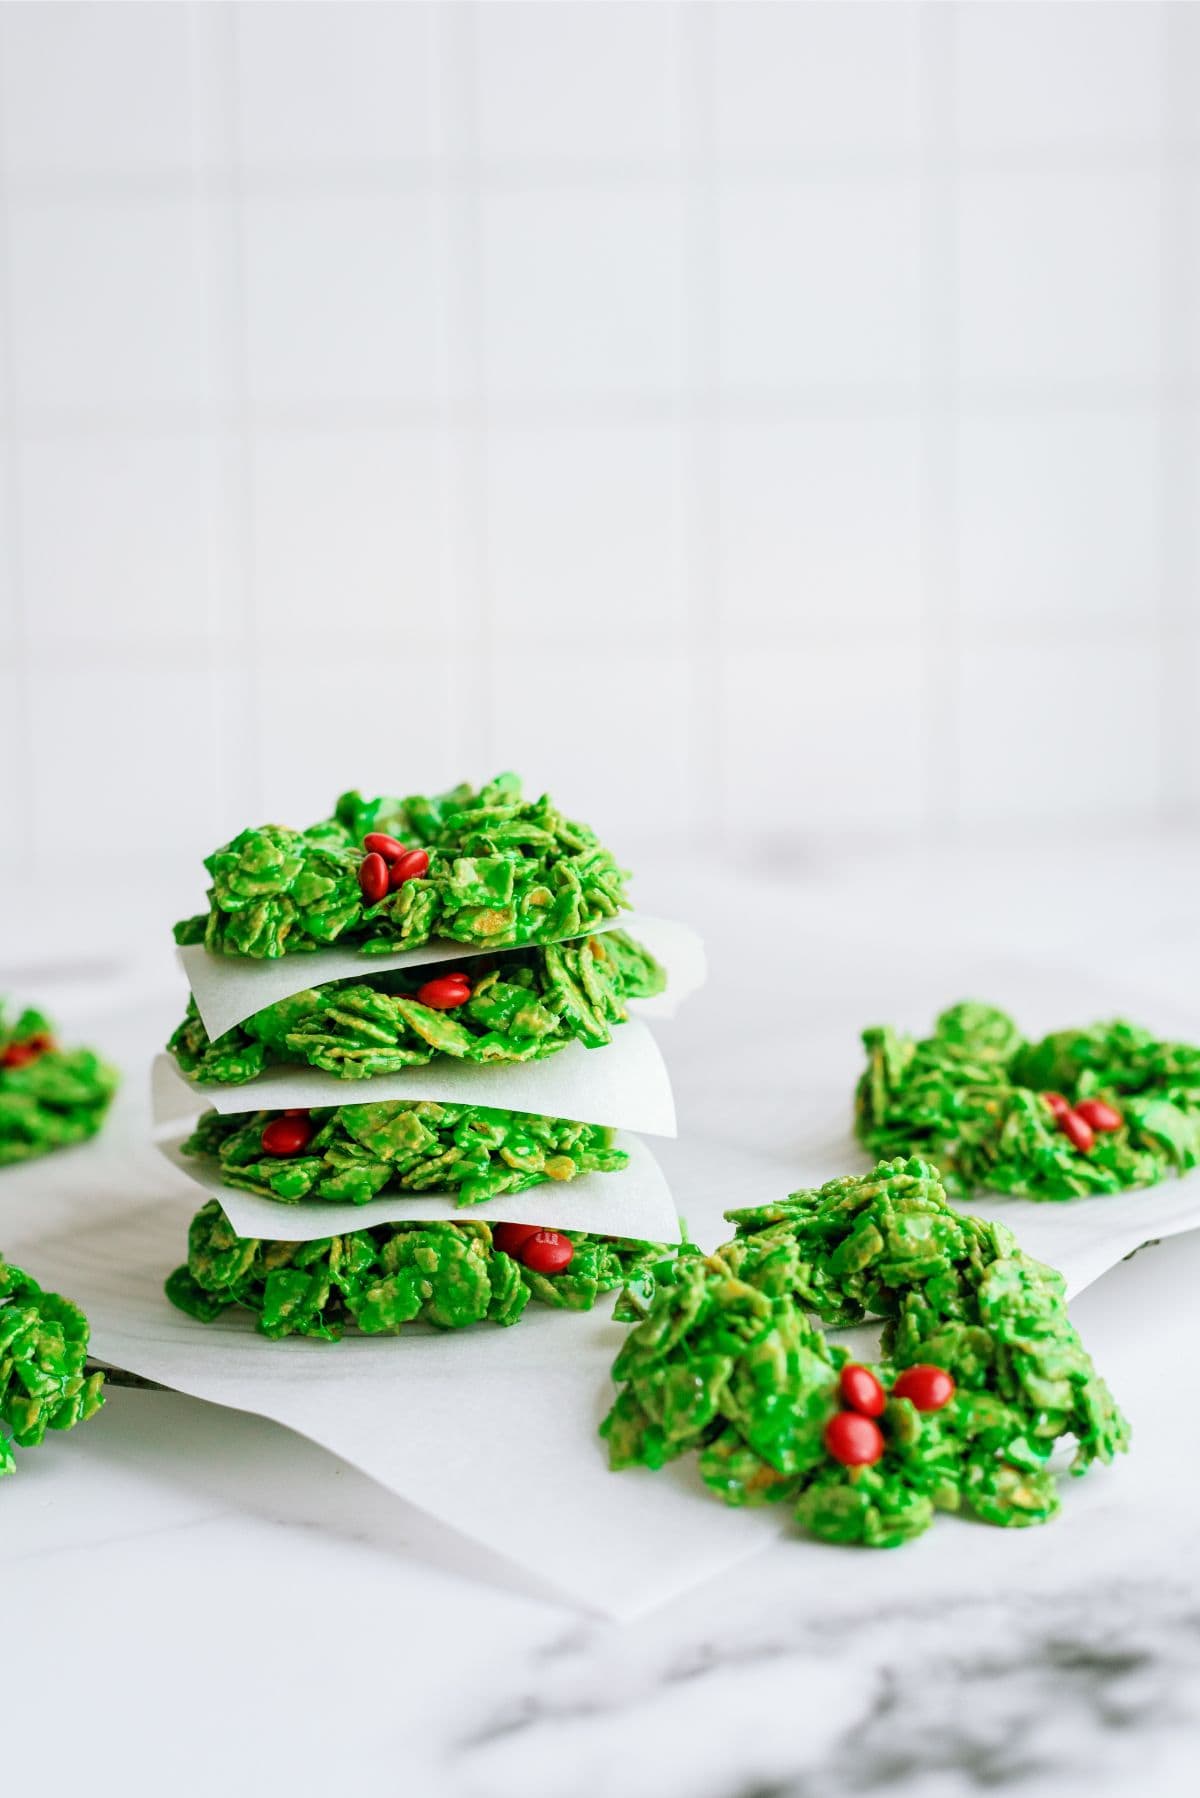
192	1599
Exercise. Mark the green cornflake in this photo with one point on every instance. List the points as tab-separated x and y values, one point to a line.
43	1355
405	1145
725	1359
49	1097
378	1280
502	871
524	1004
969	1098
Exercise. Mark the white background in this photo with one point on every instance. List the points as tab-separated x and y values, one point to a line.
759	424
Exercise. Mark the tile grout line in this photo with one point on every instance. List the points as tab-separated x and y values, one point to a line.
466	437
813	400
10	509
514	174
245	797
941	646
700	433
1177	630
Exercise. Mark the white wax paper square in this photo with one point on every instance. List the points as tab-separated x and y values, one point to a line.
492	1430
624	1084
634	1202
229	988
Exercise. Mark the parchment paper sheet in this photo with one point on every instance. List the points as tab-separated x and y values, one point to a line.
229	988
493	1430
636	1202
625	1084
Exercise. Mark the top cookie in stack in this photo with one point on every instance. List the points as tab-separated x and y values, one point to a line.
484	868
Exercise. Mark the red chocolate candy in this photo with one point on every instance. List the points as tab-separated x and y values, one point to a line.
547	1252
511	1238
926	1388
1077	1130
444	993
853	1440
408	866
19	1055
381	844
373	878
1056	1102
287	1135
860	1391
1098	1115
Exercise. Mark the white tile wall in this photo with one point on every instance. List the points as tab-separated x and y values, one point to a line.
819	283
109	301
347	525
820	525
820	81
1059	520
586	522
582	293
773	420
1060	276
341	299
335	87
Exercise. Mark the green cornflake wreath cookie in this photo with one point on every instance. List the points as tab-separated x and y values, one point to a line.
517	1006
982	1371
376	1281
354	1153
485	868
43	1354
49	1097
1096	1110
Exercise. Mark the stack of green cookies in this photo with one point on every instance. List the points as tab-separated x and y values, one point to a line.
452	946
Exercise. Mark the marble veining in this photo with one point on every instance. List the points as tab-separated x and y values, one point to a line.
981	1695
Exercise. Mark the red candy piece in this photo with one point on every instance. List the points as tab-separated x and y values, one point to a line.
861	1391
511	1238
1077	1130
409	866
926	1388
373	878
444	993
547	1252
19	1055
853	1440
287	1135
1098	1115
1057	1103
381	844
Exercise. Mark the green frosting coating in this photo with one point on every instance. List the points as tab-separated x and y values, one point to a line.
525	1004
49	1097
969	1098
406	1145
726	1358
43	1355
502	871
377	1281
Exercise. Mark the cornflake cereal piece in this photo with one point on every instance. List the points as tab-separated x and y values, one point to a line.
486	868
43	1355
1089	1111
725	1359
49	1097
379	1280
520	1005
356	1152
